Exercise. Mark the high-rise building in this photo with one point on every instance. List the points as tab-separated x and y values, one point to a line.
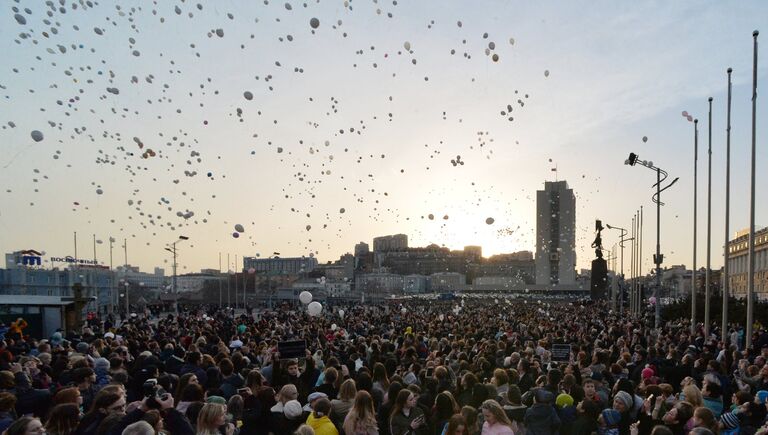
555	235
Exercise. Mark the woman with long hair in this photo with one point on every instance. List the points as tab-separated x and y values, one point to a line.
63	419
361	419
496	420
406	418
184	380
380	383
211	417
445	407
457	425
340	407
105	403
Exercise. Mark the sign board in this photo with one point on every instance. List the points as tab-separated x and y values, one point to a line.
292	349
561	352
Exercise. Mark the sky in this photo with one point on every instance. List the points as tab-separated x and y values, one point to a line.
321	124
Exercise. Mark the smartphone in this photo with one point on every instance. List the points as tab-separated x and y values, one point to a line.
430	370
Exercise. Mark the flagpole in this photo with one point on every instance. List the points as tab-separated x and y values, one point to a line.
725	289
751	255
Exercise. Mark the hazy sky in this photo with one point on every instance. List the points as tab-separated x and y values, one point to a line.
315	139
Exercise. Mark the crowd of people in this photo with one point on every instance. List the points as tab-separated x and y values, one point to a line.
480	366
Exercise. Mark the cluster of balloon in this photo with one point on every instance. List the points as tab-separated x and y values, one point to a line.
305	297
314	308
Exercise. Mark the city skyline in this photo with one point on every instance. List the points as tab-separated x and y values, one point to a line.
365	125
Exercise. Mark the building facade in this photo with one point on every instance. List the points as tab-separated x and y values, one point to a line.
284	266
555	235
738	252
397	242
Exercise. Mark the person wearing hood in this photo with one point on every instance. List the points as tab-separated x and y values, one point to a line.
541	418
101	368
566	411
608	422
319	420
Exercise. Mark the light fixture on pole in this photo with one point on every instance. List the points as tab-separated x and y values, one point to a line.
657	258
621	244
172	249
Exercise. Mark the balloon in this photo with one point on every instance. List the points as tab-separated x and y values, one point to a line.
403	310
248	95
333	327
239	228
37	135
645	138
441	317
407	45
341	313
305	297
314	23
235	235
314	308
546	73
490	221
652	300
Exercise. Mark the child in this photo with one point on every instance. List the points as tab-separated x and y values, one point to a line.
608	422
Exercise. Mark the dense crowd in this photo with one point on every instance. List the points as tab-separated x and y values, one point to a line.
397	368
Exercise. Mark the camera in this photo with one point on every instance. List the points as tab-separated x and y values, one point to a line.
154	392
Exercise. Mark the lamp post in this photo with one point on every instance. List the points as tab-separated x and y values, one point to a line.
657	258
621	244
172	250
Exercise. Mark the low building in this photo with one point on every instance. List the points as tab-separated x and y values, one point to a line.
443	282
285	266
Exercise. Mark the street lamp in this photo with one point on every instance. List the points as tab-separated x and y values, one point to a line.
657	258
172	249
621	244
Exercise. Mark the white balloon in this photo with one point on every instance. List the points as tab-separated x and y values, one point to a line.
334	327
341	313
305	297
404	310
314	308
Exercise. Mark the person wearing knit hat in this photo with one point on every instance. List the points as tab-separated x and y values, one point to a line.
622	402
729	421
647	373
761	397
564	400
216	399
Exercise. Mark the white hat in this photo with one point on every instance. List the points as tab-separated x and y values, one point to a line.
292	409
109	335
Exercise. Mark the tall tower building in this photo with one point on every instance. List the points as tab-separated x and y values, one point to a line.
555	234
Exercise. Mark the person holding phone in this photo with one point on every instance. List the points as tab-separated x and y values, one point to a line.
407	418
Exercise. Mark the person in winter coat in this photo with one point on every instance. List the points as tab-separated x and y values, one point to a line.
319	419
541	418
406	417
